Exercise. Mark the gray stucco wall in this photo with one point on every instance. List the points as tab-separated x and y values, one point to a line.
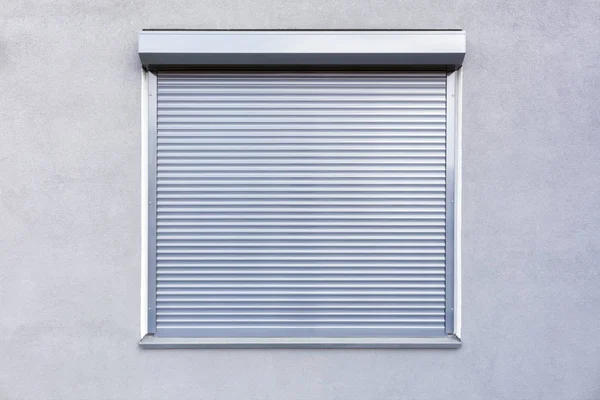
70	208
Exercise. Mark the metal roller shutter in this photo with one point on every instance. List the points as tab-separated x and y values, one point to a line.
300	204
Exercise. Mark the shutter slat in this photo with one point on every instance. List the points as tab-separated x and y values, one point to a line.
283	237
249	277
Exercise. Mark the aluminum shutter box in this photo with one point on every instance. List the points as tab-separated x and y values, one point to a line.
391	48
300	204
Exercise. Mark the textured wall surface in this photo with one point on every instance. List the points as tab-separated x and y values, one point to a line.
70	208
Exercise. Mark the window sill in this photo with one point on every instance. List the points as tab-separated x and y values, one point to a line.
153	342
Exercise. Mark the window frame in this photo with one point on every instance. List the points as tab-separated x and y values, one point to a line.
453	229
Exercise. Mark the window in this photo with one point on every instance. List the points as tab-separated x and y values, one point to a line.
300	205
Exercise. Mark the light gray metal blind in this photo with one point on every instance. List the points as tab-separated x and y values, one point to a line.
300	204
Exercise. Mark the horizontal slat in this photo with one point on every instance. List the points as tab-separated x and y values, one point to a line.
247	136
292	244
299	196
341	276
260	236
399	264
315	224
291	120
279	320
310	301
305	126
328	182
318	160
217	140
296	90
224	87
283	313
288	205
352	270
298	206
180	192
373	217
308	291
302	202
278	81
282	258
205	75
294	156
264	230
301	177
340	111
307	78
252	174
299	284
291	199
281	306
308	208
311	78
269	330
303	86
407	87
240	148
328	248
306	99
304	130
244	277
301	218
224	105
260	257
288	168
293	272
172	224
305	264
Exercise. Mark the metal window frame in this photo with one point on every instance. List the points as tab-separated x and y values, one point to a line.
453	198
151	236
450	197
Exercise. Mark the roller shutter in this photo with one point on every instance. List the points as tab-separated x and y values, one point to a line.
299	204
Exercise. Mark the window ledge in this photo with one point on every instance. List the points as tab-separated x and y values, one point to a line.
152	342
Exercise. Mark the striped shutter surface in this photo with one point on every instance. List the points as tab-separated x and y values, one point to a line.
300	204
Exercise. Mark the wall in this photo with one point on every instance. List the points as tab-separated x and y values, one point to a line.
70	208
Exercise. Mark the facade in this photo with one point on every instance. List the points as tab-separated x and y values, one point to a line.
74	289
